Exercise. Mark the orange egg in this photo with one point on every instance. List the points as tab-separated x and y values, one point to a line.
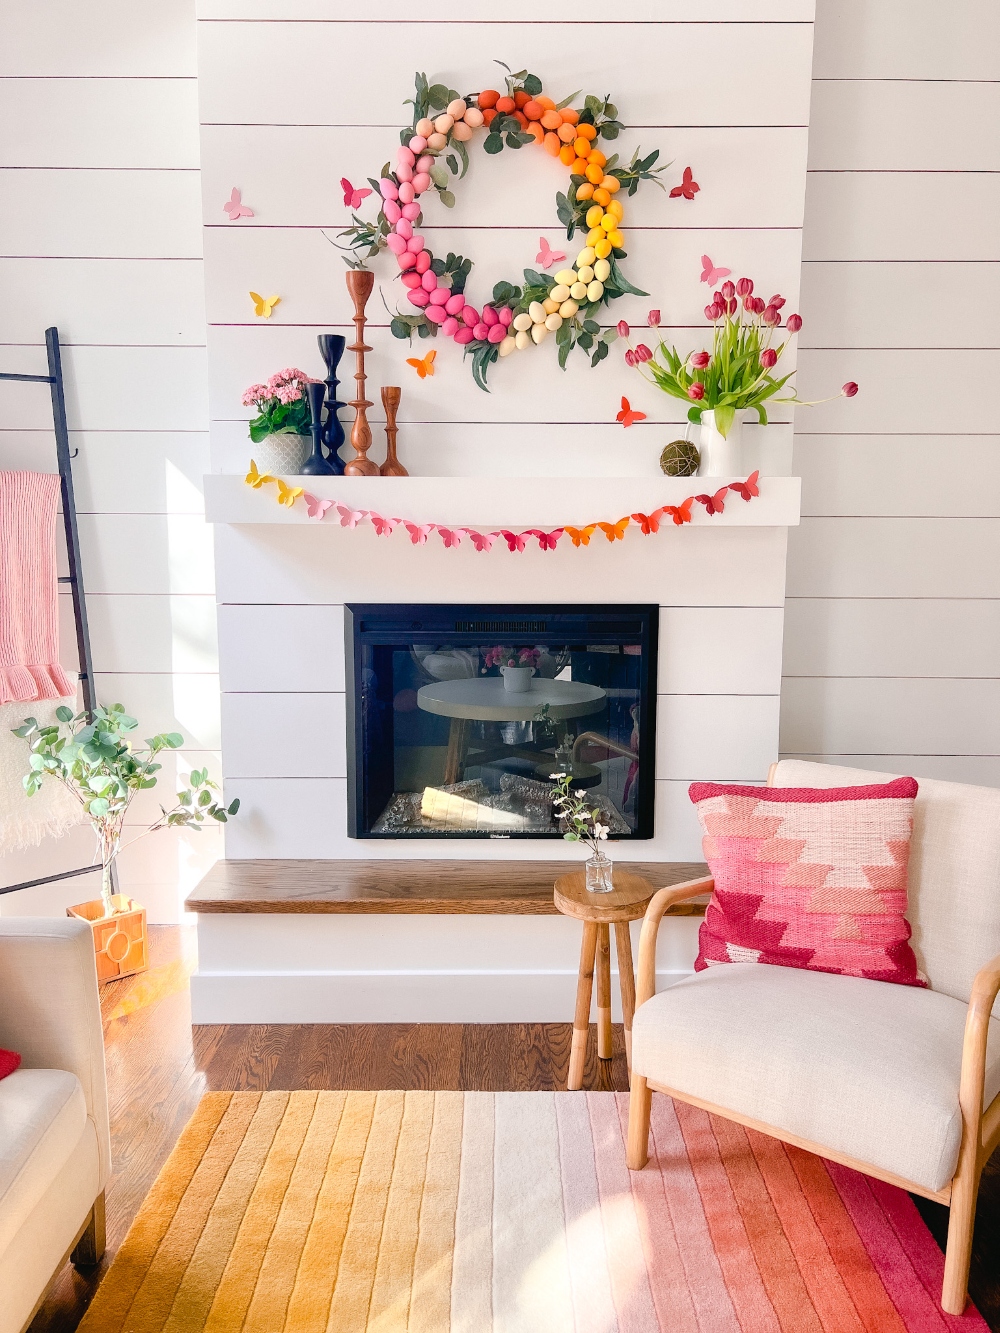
586	191
566	154
536	131
552	144
521	119
488	98
612	184
597	157
551	120
578	167
533	111
506	105
594	173
587	132
582	146
521	99
569	115
567	134
601	196
545	102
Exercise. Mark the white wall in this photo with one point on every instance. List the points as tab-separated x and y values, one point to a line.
100	235
892	620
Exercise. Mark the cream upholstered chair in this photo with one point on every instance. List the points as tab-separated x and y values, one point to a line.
896	1081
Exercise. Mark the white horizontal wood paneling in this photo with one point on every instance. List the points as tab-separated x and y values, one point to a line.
517	11
900	475
897	216
719	650
144	633
916	123
892	637
76	122
168	701
64	39
270	648
895	557
897	39
716	737
284	735
883	716
146	553
314	564
900	305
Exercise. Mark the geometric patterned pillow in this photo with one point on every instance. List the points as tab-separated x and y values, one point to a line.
809	877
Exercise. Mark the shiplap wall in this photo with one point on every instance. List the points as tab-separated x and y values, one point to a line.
892	623
100	235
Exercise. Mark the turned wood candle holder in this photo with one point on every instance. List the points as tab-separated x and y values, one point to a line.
359	283
392	467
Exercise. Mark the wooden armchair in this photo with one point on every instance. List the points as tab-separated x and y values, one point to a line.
897	1082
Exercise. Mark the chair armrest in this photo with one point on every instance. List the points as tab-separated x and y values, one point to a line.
985	988
50	1007
658	904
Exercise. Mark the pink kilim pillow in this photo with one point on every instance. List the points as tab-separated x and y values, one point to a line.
809	877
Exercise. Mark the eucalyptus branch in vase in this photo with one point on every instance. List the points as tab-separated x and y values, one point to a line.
581	822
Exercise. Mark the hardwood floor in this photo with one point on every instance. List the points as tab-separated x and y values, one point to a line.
158	1068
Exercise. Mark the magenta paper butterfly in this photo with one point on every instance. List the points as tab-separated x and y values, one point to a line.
315	506
546	540
350	518
384	526
714	504
451	536
236	208
547	256
514	540
419	532
352	198
748	488
482	541
711	274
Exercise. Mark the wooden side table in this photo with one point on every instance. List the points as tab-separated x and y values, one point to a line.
626	902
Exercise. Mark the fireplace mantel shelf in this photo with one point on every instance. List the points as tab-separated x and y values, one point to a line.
508	502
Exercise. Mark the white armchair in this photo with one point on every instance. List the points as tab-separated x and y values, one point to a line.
895	1081
55	1149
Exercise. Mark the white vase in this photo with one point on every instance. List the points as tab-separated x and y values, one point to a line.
517	679
282	454
721	456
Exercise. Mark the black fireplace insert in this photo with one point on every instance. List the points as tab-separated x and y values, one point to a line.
459	716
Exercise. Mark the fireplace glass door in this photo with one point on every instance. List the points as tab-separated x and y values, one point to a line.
460	716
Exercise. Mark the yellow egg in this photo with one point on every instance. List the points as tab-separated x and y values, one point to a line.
617	239
508	345
550	306
594	215
568	309
593	236
616	210
522	339
566	275
578	291
585	273
602	270
608	222
522	321
536	312
553	322
560	292
539	332
595	291
603	248
586	256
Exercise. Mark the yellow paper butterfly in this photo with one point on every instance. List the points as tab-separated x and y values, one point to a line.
287	495
581	536
257	479
424	366
263	306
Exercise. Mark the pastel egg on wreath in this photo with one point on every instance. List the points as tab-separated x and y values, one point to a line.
419	297
411	279
490	316
425	127
523	321
568	309
616	239
435	313
443	123
392	211
550	306
387	188
429	280
560	291
471	315
603	248
508	345
473	117
421	182
578	291
417	144
404	156
602	270
437	140
594	238
457	108
423	261
497	333
404	228
406	192
415	244
481	331
522	339
553	322
595	290
439	295
396	243
538	333
461	131
424	162
406	260
586	256
585	273
566	276
506	316
405	172
454	303
464	336
537	312
411	211
451	325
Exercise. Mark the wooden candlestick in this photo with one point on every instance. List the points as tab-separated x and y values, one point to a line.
359	283
392	467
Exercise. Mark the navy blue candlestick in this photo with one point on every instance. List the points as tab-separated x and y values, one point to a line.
331	347
316	465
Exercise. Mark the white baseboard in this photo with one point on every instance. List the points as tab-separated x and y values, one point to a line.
392	997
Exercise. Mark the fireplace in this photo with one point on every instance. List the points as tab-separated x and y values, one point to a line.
458	717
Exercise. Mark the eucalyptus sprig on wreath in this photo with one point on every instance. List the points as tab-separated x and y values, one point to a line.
97	762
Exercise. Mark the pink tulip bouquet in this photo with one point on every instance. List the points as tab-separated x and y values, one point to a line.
738	373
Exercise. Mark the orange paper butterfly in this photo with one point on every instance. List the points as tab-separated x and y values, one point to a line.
648	522
680	513
626	416
424	366
581	536
615	532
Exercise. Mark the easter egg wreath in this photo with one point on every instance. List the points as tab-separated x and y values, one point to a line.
433	152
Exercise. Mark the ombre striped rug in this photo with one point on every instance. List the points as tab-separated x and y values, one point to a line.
339	1212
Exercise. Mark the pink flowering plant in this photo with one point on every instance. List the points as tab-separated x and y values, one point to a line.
502	656
739	372
281	405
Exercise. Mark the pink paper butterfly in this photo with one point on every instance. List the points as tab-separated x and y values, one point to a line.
451	536
352	198
748	488
711	274
236	208
546	540
514	540
482	541
714	504
317	508
419	532
384	526
349	518
546	256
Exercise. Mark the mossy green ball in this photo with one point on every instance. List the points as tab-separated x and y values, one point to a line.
680	458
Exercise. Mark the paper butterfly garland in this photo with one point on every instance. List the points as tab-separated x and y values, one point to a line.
627	416
317	508
262	306
546	255
688	187
711	274
235	207
352	198
424	366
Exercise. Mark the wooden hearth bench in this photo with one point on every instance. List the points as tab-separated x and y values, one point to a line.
519	888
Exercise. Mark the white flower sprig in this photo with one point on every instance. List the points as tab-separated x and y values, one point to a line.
582	820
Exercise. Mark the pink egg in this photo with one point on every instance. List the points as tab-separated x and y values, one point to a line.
391	211
404	155
415	244
464	336
406	260
506	315
424	163
429	280
481	330
404	229
435	313
387	188
418	143
471	315
450	326
490	316
497	333
411	279
395	243
406	193
421	182
404	172
439	295
423	261
411	211
454	303
419	297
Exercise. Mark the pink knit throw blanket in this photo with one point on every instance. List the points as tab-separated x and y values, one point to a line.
29	608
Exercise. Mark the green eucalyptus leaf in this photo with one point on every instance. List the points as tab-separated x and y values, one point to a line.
532	85
64	714
492	143
447	198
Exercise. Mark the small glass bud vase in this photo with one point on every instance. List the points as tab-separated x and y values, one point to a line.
599	871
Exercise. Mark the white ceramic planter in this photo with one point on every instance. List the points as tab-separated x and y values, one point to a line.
517	680
721	456
282	455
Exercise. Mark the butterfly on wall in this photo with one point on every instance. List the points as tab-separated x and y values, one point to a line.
423	365
419	532
648	522
384	526
352	198
615	532
514	540
262	306
581	536
546	255
680	513
350	518
315	507
714	504
627	416
711	274
482	541
688	187
257	479
749	488
235	207
287	495
547	541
